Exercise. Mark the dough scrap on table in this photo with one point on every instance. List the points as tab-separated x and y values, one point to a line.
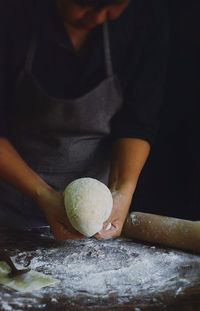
27	282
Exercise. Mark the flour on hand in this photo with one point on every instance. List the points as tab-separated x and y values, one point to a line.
88	204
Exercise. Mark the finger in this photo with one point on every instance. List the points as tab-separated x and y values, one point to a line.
61	233
67	236
105	236
71	231
110	226
113	232
109	221
68	226
107	224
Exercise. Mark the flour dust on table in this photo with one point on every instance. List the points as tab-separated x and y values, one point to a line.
100	270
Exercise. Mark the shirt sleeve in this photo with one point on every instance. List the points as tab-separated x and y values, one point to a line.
139	116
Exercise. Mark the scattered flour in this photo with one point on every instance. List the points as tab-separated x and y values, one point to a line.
101	269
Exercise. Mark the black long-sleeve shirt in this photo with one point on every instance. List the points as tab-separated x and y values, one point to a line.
139	46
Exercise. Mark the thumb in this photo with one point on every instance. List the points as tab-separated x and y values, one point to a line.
106	225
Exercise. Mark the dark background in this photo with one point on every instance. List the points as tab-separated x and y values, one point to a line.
170	182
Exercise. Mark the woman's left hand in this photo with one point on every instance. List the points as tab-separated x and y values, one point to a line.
121	204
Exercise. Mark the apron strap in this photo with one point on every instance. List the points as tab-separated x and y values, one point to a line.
107	51
40	9
31	54
108	59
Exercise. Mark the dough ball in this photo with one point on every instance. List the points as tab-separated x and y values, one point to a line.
88	204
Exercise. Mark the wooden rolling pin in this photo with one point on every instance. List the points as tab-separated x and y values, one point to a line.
173	232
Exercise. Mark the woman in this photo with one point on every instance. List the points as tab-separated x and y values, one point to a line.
81	88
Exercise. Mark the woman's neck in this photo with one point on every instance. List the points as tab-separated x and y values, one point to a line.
78	36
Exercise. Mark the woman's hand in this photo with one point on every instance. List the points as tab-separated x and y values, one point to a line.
52	204
121	204
128	158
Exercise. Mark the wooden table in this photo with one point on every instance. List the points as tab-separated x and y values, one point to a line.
102	275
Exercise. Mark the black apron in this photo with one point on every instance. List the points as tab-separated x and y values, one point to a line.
60	139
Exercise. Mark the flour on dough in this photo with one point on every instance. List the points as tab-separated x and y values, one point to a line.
88	204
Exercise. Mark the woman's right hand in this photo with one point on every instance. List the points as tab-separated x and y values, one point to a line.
52	204
15	171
